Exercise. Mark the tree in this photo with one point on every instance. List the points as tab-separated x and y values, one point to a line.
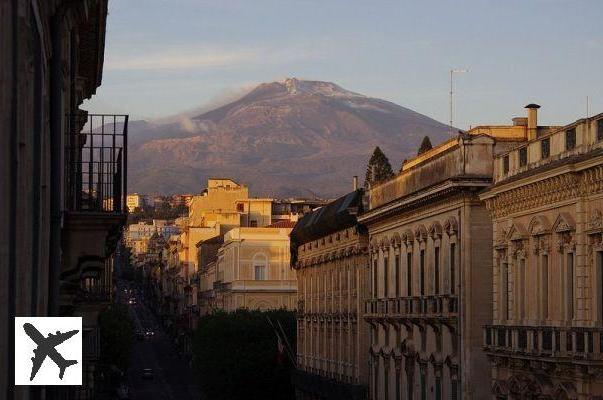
117	335
379	169
425	146
236	355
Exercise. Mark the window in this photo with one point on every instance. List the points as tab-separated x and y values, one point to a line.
422	272
521	288
600	129
409	274
570	139
436	272
506	164
523	156
260	272
260	264
375	277
599	261
240	207
545	148
397	274
253	223
569	304
423	387
504	276
438	388
452	268
409	384
545	286
385	277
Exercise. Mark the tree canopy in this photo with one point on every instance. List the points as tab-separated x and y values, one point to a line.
236	355
378	169
425	145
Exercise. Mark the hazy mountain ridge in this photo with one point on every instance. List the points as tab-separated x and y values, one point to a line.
283	138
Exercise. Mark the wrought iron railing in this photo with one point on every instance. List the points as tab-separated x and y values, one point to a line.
414	306
574	342
96	163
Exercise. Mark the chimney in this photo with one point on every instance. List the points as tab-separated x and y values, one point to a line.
355	182
532	120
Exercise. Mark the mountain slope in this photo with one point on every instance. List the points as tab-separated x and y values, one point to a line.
288	138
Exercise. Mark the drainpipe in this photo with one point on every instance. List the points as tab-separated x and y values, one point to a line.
12	241
56	161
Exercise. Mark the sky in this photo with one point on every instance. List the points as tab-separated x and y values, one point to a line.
164	57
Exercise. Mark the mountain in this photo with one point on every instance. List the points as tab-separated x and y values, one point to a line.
287	138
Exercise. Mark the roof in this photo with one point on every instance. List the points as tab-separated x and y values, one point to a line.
284	223
335	216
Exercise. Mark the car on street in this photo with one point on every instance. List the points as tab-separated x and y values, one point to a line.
147	373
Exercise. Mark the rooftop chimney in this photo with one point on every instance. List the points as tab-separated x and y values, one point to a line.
355	182
532	120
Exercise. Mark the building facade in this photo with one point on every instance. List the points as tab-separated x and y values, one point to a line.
330	255
59	223
430	236
253	270
546	339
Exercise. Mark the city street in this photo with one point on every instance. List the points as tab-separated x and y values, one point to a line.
172	378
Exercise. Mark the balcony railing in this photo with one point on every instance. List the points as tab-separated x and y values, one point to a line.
91	343
96	163
572	342
414	306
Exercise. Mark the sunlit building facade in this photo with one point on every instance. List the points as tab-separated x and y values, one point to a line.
330	251
546	338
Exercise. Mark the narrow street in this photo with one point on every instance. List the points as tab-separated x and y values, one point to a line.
172	378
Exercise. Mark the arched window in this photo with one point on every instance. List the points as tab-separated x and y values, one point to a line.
260	267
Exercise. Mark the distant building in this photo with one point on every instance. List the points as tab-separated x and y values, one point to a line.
253	270
135	201
546	204
330	254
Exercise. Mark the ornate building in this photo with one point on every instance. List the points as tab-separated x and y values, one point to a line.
430	277
546	340
329	252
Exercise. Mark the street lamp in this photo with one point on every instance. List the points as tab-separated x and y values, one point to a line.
452	72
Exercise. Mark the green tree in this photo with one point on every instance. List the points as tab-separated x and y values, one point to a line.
117	336
379	169
236	355
425	146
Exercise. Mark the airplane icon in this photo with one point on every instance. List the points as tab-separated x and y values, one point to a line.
46	347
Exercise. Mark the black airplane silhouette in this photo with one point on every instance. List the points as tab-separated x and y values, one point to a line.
46	347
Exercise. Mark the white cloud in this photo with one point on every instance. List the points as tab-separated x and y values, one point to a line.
198	57
181	59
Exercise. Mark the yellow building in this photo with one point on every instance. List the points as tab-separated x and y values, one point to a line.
134	201
252	270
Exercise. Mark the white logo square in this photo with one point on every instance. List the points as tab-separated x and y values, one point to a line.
48	350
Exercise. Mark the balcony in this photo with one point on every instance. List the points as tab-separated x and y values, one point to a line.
91	343
556	343
96	163
414	307
95	195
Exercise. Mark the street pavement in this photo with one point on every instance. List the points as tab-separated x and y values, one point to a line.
173	378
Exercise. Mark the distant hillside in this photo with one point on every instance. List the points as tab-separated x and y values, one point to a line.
288	138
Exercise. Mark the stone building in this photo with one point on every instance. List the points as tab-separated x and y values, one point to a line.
546	338
60	219
252	270
430	239
330	254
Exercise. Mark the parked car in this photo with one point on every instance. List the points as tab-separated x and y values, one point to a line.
147	373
